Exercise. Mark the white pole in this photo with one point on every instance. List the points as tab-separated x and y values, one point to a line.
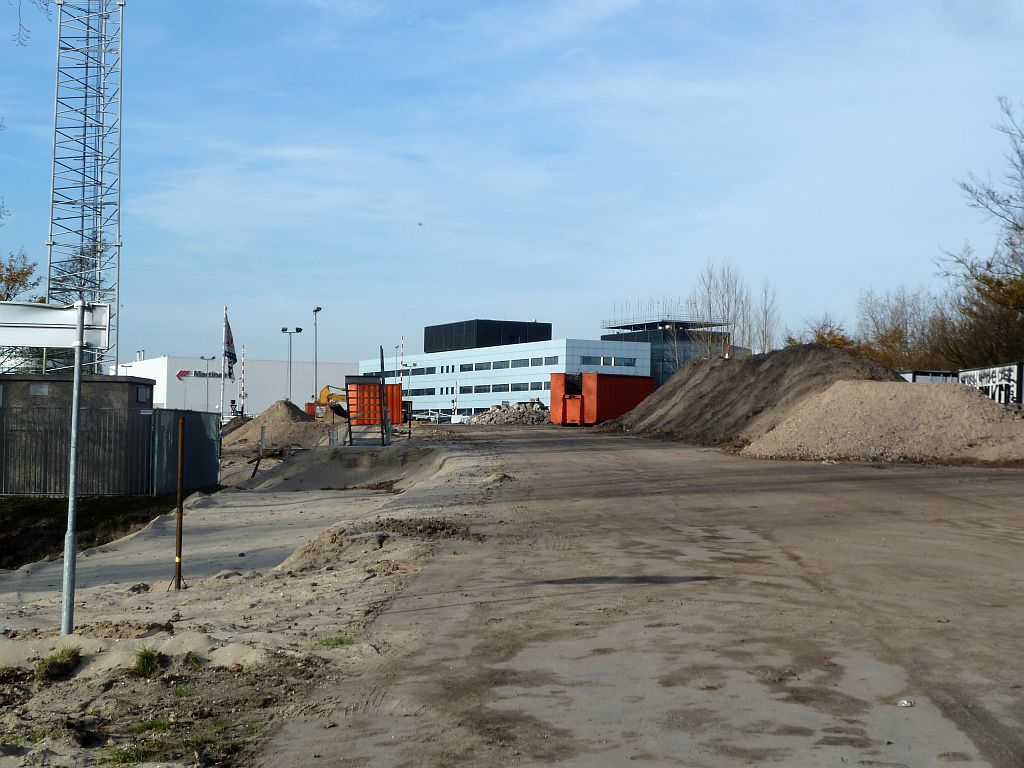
67	620
223	359
241	395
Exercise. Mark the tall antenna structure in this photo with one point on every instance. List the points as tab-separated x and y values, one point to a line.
84	247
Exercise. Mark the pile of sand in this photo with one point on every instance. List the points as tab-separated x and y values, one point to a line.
878	421
346	467
236	422
286	424
733	402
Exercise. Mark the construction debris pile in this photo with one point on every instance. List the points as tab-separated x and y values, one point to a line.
516	413
877	421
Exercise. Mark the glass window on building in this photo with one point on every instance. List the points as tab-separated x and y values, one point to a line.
536	361
430	371
553	360
547	385
522	386
607	360
482	367
535	385
465	367
500	364
417	371
482	388
499	388
522	363
625	362
465	390
590	360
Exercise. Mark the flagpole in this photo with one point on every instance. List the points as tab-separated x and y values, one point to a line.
223	359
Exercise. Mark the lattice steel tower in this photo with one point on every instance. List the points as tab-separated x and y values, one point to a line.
85	208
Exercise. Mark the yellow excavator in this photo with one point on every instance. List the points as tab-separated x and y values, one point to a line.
334	400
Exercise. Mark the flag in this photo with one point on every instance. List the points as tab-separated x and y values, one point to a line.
229	347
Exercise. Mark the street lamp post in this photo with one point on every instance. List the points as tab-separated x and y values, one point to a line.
316	382
291	332
207	359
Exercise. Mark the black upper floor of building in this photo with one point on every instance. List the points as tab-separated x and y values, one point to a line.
473	334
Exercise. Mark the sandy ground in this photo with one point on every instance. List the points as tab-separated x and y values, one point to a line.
619	601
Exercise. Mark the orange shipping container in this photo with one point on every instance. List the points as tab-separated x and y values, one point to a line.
591	398
364	403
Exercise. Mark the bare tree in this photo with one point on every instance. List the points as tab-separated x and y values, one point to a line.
22	33
766	320
987	293
895	326
721	298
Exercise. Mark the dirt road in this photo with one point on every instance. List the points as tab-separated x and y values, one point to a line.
641	602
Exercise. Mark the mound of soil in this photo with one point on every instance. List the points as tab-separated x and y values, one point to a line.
235	423
331	546
733	402
877	421
286	424
423	527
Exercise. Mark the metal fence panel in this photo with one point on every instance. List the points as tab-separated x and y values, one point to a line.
114	451
121	452
202	450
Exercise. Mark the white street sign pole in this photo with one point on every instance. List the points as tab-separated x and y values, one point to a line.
27	324
67	620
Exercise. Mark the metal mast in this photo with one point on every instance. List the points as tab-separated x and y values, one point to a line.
85	209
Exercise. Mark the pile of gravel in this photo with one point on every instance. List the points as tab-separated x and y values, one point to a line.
516	413
733	402
877	421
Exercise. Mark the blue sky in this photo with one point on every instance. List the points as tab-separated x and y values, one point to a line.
410	163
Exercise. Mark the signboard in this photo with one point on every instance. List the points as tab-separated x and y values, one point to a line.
1002	383
27	324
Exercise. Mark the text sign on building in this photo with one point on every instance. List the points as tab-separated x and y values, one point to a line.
27	324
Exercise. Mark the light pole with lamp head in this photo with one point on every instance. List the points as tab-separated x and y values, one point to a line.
316	383
291	332
207	359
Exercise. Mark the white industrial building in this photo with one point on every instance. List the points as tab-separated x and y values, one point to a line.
193	384
473	379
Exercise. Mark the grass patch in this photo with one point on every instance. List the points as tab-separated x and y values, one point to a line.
59	665
148	661
128	755
192	659
179	691
335	641
159	724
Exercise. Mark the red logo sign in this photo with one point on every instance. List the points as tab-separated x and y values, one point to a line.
182	374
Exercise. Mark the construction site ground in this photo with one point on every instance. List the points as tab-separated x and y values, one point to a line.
537	596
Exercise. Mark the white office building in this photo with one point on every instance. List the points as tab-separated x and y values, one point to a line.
472	380
192	383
